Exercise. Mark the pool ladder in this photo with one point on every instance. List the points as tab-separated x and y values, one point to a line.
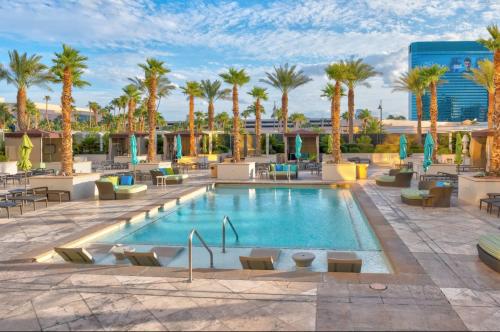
190	245
225	221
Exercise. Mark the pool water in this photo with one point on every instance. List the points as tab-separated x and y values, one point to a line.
305	218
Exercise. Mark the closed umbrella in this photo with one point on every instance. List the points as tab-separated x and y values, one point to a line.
179	147
133	152
403	144
458	149
24	162
428	149
298	147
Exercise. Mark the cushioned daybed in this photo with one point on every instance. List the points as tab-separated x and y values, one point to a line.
171	176
123	187
488	250
401	179
437	194
282	171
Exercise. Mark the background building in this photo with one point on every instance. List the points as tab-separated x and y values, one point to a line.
459	99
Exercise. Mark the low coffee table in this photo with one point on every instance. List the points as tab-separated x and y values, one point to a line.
303	259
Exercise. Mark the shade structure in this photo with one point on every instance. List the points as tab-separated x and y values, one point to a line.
178	153
24	162
403	147
133	150
298	146
428	149
458	149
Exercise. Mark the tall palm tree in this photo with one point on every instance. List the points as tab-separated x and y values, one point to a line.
413	82
432	77
336	72
357	74
46	98
24	72
133	96
94	107
298	119
285	79
278	115
211	91
222	120
236	78
258	94
68	69
200	119
192	89
364	115
485	76
493	43
154	71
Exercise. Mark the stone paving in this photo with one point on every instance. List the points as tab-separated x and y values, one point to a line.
457	291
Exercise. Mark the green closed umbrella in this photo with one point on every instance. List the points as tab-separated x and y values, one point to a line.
179	147
298	146
458	149
403	144
24	162
428	149
133	152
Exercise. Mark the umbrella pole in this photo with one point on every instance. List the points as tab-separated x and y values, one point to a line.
26	183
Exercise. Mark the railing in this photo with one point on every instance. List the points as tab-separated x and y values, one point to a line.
190	246
225	221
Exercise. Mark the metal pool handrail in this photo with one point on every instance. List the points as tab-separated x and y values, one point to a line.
224	221
190	246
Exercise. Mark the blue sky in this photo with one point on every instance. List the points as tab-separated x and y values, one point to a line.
200	39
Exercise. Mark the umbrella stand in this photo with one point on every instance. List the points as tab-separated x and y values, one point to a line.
26	183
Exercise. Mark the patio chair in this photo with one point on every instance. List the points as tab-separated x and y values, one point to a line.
492	198
8	204
343	262
401	180
488	249
157	256
260	259
75	255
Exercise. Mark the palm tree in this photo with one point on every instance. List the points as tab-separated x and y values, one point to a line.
336	72
285	79
154	71
94	107
493	44
298	119
236	78
200	120
133	96
33	114
222	120
211	91
5	115
432	77
278	115
192	89
413	82
364	115
357	74
258	94
484	76
68	69
46	98
24	72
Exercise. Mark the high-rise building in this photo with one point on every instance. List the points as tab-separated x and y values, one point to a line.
459	99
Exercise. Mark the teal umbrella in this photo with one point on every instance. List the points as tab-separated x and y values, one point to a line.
133	152
428	149
298	146
403	144
179	147
24	162
458	149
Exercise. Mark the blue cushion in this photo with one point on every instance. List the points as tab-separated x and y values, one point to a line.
126	180
164	171
442	184
293	168
279	167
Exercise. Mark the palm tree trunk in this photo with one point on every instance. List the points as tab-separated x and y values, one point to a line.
67	141
284	113
495	151
236	125
131	110
152	119
350	109
335	118
491	108
211	115
419	119
434	114
192	148
95	117
257	127
21	109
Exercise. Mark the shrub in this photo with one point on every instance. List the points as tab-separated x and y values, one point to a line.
364	140
3	158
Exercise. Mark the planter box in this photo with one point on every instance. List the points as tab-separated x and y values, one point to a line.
376	158
236	171
338	172
78	166
471	189
146	167
435	168
80	186
126	159
9	167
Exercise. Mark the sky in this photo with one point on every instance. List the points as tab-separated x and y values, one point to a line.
200	39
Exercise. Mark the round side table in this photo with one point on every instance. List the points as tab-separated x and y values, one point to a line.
303	259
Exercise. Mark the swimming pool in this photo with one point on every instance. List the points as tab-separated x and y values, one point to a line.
288	218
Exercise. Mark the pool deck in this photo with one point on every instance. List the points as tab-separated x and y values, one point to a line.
440	284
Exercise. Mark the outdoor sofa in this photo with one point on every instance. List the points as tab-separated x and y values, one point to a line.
171	175
122	187
488	249
283	171
401	179
429	193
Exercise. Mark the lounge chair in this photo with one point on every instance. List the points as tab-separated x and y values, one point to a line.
283	171
488	250
260	259
343	262
75	255
401	179
430	193
157	256
171	175
109	188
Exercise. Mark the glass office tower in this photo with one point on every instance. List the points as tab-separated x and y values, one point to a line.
459	99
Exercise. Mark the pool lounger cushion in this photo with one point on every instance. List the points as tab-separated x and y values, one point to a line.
343	262
75	255
152	258
260	259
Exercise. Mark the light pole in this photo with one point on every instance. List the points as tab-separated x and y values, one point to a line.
380	123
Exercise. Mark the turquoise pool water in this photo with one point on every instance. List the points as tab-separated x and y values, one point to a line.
312	218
